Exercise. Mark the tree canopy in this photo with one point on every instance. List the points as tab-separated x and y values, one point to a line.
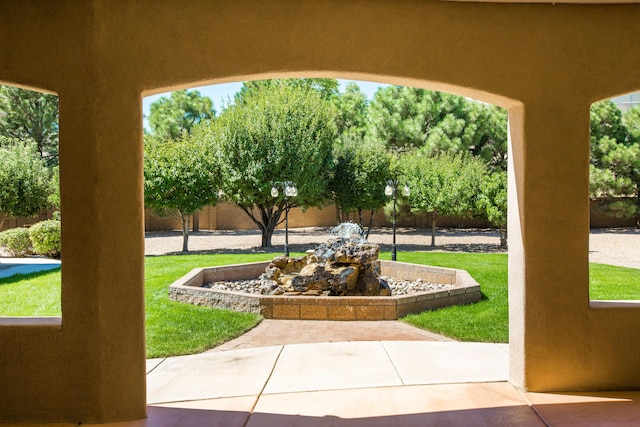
180	178
327	88
170	117
492	202
31	116
360	175
351	111
25	181
615	158
442	185
406	119
280	133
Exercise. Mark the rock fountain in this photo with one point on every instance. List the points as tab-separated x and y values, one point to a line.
341	279
343	266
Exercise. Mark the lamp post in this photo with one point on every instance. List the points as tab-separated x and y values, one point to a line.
290	190
392	190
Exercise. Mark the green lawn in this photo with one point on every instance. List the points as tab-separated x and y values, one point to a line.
488	320
175	328
172	328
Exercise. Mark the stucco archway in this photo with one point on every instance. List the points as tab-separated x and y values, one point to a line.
544	62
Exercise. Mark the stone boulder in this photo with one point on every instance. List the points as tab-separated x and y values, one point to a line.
342	266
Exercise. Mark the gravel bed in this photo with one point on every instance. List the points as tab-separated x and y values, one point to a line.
614	246
262	287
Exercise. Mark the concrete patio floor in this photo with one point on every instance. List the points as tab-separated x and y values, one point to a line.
364	383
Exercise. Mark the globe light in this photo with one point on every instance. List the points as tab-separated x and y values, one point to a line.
388	190
392	190
290	190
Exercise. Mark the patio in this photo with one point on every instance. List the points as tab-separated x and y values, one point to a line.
363	383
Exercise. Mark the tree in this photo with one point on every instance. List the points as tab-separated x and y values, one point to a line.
615	158
24	179
360	176
351	111
406	119
397	117
31	116
631	121
327	88
492	144
492	202
170	117
279	133
442	185
180	178
351	124
54	192
605	119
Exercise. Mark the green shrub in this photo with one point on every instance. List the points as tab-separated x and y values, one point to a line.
45	238
16	241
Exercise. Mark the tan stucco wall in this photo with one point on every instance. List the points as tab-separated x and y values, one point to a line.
226	216
546	63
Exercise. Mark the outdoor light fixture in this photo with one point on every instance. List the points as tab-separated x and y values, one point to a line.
290	190
392	190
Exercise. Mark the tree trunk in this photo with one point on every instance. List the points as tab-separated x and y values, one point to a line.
433	230
185	231
267	222
338	216
196	222
637	212
360	219
503	236
266	238
373	212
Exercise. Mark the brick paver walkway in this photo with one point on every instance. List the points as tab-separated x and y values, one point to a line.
271	332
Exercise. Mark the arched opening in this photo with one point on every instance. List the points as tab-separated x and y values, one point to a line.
614	191
456	135
29	203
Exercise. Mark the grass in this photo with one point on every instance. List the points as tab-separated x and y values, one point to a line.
617	283
174	328
488	320
34	294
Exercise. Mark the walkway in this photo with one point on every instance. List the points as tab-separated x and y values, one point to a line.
271	332
364	383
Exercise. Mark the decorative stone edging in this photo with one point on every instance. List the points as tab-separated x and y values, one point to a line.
189	289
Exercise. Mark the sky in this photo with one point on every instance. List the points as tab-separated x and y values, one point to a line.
222	93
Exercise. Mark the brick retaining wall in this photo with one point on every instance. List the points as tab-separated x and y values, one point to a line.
189	289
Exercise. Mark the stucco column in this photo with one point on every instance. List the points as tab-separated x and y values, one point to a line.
103	245
548	242
89	365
